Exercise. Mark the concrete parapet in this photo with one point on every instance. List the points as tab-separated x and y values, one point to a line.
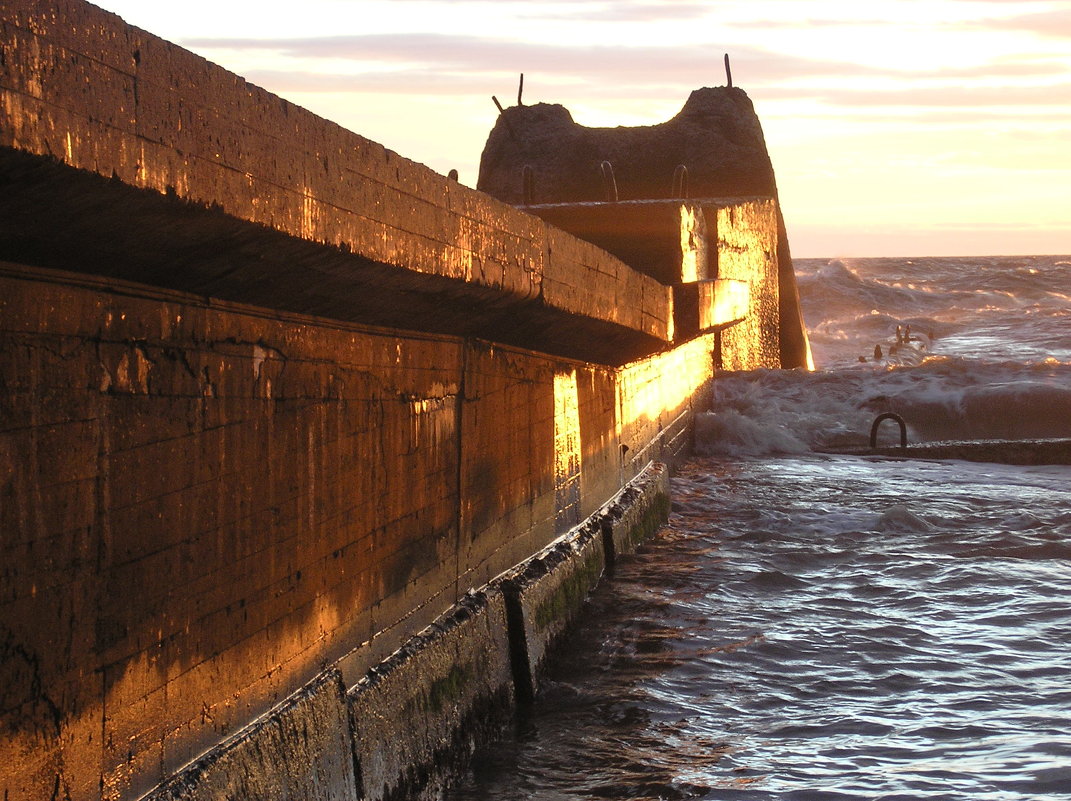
421	713
302	749
124	155
637	512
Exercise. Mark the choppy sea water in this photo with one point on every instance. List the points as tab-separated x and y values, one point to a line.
829	627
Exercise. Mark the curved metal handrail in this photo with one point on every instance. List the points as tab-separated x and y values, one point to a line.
609	182
680	182
888	416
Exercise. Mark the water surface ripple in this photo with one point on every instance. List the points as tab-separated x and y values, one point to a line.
819	628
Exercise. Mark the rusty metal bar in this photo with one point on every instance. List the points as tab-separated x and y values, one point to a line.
502	111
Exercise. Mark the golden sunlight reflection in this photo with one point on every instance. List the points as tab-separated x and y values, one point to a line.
652	387
567	447
694	265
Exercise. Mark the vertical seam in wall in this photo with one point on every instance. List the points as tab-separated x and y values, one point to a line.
517	637
103	525
351	721
459	422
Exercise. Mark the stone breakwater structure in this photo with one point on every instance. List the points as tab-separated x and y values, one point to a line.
309	454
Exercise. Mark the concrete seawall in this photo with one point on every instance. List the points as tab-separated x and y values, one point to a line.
406	727
307	453
212	502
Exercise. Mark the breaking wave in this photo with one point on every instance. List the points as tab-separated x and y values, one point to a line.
960	348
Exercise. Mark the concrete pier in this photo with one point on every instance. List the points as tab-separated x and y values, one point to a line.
282	415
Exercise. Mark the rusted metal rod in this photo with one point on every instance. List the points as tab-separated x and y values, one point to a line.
501	111
520	91
728	73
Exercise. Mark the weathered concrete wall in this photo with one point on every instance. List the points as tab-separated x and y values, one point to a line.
713	148
224	496
206	503
448	691
716	135
747	251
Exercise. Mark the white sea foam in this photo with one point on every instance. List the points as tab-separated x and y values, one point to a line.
817	626
983	351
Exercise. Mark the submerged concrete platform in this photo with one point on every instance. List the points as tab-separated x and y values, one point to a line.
1025	452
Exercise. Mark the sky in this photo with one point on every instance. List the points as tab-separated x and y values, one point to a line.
896	127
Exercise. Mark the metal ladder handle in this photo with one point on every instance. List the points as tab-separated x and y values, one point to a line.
609	182
888	416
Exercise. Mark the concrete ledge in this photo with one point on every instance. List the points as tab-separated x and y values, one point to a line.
174	172
423	711
703	306
414	721
544	595
636	512
1026	451
302	749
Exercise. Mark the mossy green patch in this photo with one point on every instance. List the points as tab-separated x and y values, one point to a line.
571	592
443	692
449	688
656	513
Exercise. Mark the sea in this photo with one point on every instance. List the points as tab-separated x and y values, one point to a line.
813	625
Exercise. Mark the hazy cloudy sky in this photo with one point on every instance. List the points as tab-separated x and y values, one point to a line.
896	127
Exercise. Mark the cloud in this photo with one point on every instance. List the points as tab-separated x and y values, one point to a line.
940	96
1006	68
1047	23
628	11
598	10
957	117
415	82
459	55
470	55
